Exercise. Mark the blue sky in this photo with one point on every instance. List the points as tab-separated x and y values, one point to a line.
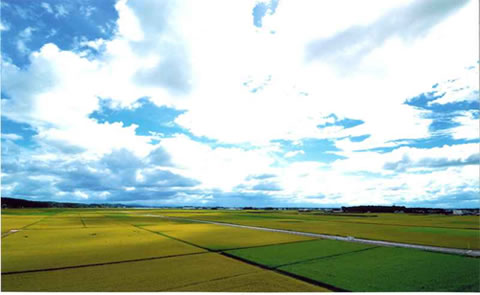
269	103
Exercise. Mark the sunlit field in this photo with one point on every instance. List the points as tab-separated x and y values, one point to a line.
147	250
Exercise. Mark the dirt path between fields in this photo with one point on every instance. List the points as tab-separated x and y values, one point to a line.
12	231
466	252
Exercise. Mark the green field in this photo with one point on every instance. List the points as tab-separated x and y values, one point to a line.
363	268
394	269
139	250
277	255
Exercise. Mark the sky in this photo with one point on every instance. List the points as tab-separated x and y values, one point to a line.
274	103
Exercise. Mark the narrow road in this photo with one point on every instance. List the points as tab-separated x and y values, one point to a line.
466	252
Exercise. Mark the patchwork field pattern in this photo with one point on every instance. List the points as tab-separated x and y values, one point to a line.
369	269
166	274
393	269
139	250
62	248
82	250
433	230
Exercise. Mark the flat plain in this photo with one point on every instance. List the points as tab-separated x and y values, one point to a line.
449	231
141	250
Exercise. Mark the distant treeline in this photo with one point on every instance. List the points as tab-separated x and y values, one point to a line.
20	203
402	209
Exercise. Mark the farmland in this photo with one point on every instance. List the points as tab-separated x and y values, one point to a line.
433	230
336	263
140	250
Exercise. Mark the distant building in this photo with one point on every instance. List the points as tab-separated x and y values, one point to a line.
457	212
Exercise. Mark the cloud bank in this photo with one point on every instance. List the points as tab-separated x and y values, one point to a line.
299	104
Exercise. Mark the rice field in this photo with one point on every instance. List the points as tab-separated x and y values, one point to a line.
44	249
105	250
205	272
433	230
362	268
217	237
394	269
277	255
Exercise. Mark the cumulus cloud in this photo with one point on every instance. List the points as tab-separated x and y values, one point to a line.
148	25
242	90
51	176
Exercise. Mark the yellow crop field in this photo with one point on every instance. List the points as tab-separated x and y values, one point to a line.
263	281
13	222
98	220
221	237
43	249
154	275
60	221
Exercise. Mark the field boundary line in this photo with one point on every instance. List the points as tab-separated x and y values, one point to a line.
99	264
267	245
83	222
161	234
173	238
207	281
285	273
221	252
466	252
25	227
325	257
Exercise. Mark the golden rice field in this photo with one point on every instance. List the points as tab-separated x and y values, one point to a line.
105	250
211	270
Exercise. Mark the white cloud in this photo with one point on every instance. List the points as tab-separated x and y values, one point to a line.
371	93
218	167
4	26
47	7
61	10
24	37
293	153
11	136
51	33
87	10
469	126
462	86
240	84
81	195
